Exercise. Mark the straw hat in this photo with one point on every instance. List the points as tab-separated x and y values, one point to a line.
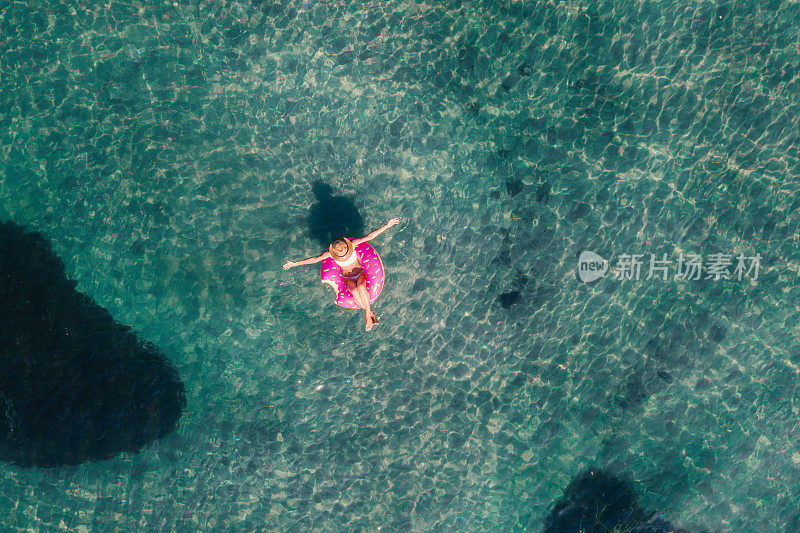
347	252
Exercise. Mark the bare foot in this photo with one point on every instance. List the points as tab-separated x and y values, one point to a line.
371	321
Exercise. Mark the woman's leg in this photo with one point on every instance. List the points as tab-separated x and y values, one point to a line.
358	296
352	286
362	288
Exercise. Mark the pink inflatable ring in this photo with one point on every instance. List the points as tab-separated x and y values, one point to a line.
331	273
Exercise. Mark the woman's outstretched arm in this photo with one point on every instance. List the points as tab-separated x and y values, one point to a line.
372	235
289	264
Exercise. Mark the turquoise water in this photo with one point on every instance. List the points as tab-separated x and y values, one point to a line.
168	151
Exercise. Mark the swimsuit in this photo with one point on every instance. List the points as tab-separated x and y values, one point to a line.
348	263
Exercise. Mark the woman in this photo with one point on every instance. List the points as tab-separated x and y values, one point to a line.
343	252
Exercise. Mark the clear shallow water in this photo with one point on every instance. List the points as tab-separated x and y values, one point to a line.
168	151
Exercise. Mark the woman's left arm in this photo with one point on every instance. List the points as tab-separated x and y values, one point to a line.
372	235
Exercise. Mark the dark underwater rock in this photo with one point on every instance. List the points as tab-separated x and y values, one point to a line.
333	216
514	187
598	502
595	502
507	299
75	385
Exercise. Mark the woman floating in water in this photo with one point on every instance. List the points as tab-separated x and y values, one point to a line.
359	276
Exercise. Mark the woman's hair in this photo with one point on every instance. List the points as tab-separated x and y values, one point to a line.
338	241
